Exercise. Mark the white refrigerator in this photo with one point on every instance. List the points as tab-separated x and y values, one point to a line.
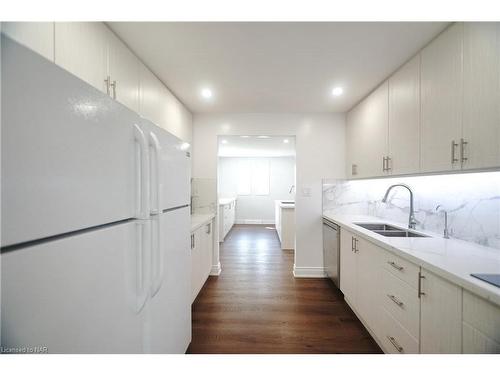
95	218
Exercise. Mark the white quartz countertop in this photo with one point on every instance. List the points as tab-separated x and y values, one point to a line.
197	220
451	259
223	201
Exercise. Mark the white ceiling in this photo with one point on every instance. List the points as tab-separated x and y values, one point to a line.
274	67
253	146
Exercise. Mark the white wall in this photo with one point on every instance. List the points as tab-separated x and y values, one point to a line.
257	208
320	153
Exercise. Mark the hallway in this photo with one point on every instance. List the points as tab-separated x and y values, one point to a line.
257	306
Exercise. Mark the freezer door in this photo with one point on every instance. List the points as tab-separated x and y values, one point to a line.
170	305
170	160
69	152
80	294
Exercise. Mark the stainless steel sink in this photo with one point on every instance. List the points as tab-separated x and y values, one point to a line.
389	230
377	226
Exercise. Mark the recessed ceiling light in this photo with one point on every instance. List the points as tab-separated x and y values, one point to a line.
244	136
206	93
337	91
285	141
224	141
185	146
263	136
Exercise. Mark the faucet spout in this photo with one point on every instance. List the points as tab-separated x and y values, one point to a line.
412	222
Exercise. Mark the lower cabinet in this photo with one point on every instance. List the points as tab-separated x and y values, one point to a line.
348	266
227	218
408	309
201	257
441	315
480	325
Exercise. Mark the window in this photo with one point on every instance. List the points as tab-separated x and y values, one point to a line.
253	177
260	177
244	182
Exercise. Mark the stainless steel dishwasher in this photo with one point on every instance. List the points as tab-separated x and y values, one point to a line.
331	250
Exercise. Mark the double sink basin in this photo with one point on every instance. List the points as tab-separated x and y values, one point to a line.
389	230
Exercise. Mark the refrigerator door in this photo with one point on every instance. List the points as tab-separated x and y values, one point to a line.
170	160
70	154
79	294
169	309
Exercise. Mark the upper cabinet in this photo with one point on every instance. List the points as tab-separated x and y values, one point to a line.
367	135
124	69
441	98
152	97
82	49
38	36
95	54
92	52
481	104
443	112
404	119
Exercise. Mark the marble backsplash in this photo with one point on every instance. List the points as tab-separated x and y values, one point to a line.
471	199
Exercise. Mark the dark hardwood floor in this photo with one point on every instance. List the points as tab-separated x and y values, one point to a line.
257	306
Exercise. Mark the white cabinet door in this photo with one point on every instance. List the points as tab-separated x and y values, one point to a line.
77	294
38	36
152	97
82	49
441	100
368	282
367	134
348	266
170	304
481	325
124	73
404	119
195	265
481	111
440	315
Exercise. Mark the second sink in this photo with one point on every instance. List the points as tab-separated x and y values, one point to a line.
389	230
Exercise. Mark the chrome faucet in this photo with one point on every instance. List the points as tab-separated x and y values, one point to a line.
445	232
412	222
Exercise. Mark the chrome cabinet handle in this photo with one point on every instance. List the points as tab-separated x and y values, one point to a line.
399	268
463	143
393	341
352	243
209	228
356	245
395	300
388	167
113	85
420	277
107	81
383	164
454	145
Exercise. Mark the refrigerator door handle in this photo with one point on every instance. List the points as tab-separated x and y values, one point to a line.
157	263
142	175
142	263
156	180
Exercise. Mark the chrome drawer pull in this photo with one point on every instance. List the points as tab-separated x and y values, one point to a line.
399	268
395	300
393	341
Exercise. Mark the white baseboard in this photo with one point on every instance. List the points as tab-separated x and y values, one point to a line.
255	222
215	270
312	272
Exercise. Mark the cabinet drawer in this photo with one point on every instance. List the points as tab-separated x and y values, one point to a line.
402	269
395	338
401	300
